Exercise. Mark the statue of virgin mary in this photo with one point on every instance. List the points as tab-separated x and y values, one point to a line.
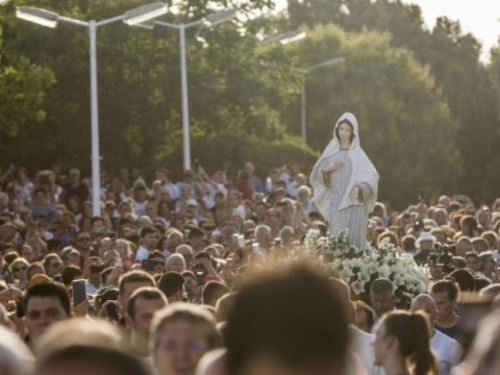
345	183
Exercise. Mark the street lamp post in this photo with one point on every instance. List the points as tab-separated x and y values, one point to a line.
305	71
212	20
132	17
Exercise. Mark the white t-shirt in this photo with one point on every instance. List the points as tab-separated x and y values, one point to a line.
447	351
142	253
240	211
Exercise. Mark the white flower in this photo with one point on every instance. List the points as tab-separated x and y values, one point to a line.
346	274
384	271
357	288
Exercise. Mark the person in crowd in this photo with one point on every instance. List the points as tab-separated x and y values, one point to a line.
19	272
172	285
132	281
382	297
402	344
148	244
140	310
278	335
445	293
448	352
181	335
45	304
176	263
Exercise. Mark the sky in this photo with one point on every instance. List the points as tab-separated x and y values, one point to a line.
479	17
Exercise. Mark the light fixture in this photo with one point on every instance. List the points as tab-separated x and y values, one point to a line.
334	61
288	37
146	25
39	16
144	13
221	16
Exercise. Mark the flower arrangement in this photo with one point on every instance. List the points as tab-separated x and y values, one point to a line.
359	267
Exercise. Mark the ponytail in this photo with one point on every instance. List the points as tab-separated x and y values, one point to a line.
413	332
422	361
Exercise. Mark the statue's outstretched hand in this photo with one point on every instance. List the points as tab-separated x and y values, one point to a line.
355	196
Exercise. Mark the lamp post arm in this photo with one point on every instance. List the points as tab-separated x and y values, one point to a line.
110	20
74	21
167	24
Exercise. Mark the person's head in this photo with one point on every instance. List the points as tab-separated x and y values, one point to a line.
19	269
84	359
15	358
364	318
480	245
491	237
464	279
84	241
45	304
409	243
172	285
425	303
70	256
484	356
212	291
263	235
132	281
345	131
27	253
35	269
382	296
191	285
468	225
472	260
71	273
141	307
148	238
289	329
487	262
405	337
92	267
187	253
175	263
445	294
181	335
52	264
441	216
425	241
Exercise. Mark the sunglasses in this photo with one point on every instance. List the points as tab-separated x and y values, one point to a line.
55	264
84	239
24	268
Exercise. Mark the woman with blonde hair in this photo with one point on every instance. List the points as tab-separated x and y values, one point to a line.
19	271
402	344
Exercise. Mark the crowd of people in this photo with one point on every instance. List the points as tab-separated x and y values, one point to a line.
207	276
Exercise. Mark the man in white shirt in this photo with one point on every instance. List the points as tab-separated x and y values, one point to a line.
361	342
148	244
447	350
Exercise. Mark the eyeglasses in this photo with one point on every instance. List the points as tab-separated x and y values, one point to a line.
192	346
23	268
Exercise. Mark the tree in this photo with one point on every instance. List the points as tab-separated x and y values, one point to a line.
453	58
406	127
139	82
22	93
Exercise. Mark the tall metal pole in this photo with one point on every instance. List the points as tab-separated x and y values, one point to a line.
304	112
96	177
185	102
